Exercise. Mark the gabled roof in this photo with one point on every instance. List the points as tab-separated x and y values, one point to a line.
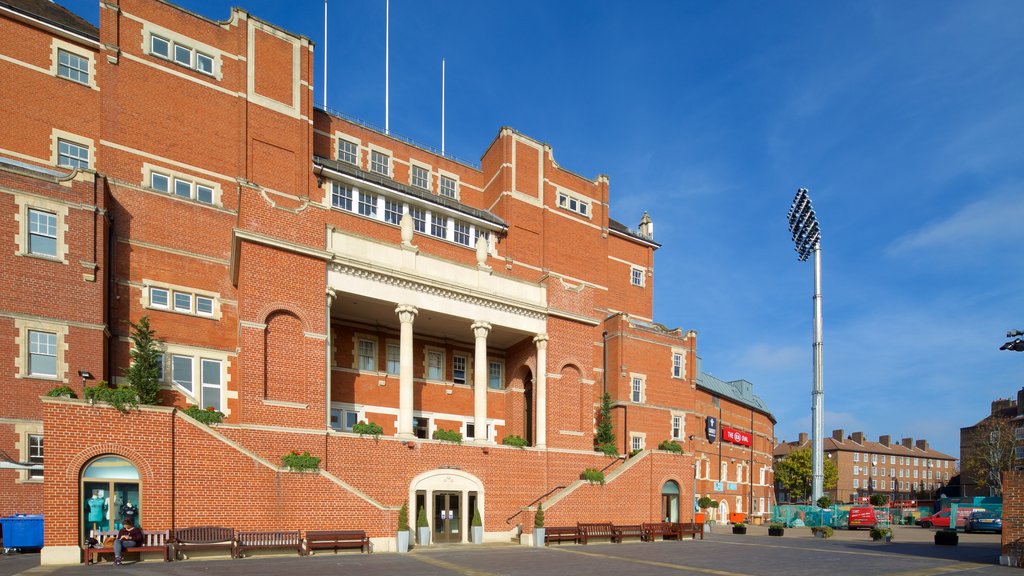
53	14
830	444
741	391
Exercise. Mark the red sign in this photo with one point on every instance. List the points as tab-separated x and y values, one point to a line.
735	436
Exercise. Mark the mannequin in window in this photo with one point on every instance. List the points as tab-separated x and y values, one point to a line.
129	512
97	508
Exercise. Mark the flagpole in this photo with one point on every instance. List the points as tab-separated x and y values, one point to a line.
325	54
442	106
387	61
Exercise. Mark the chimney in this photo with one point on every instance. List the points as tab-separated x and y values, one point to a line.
646	226
1020	401
857	437
907	442
802	439
922	444
838	435
1002	404
885	440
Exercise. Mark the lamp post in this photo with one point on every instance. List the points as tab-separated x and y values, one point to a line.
807	240
1015	345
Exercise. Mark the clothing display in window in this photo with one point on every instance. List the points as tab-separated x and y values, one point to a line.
97	508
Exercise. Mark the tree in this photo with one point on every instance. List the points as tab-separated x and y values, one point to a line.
143	373
793	472
991	453
605	441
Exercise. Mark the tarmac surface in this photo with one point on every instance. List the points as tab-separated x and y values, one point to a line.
721	553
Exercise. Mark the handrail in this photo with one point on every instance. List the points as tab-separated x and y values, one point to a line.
548	493
617	458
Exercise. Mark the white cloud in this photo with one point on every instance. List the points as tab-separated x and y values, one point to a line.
990	220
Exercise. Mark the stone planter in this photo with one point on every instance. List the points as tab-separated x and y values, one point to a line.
478	534
776	531
423	535
403	541
538	537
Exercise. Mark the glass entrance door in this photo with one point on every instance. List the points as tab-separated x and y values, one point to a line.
447	517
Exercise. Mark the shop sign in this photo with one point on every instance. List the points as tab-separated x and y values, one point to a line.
736	436
719	486
711	428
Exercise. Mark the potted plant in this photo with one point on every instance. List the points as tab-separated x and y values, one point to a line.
739	528
776	529
478	526
824	502
704	503
422	527
946	538
879	500
62	392
403	528
822	531
538	526
879	533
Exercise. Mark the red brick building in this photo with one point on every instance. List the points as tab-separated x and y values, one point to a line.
305	272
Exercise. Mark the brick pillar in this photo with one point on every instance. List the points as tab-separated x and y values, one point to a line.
406	315
541	340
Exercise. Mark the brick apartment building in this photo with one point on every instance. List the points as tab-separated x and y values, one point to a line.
992	445
305	272
905	470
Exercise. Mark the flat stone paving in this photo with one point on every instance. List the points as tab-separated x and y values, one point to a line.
720	554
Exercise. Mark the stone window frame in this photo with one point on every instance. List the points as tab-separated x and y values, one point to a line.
637	441
340	137
21	362
427	351
357	357
75	67
56	136
633	377
197	355
680	354
682	425
23	431
174	177
444	177
57	45
388	154
413	166
146	299
575	203
637	277
174	41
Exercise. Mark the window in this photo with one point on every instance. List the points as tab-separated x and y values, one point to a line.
204	194
181	372
636	276
367	204
439	226
449	187
677	428
211	384
459	369
421	427
341	196
494	375
72	66
72	155
461	232
874	458
419	219
856	470
901	473
471	430
392	211
380	163
159	46
892	471
367	355
158	297
42	233
343	419
856	457
347	151
42	353
35	454
420	177
874	471
915	473
677	365
435	365
636	394
182	188
394	355
573	204
183	55
856	483
636	442
182	302
204	306
159	182
883	458
204	63
916	463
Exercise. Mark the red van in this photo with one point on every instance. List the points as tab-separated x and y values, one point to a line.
862	517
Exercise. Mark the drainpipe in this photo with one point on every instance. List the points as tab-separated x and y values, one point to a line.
174	430
604	365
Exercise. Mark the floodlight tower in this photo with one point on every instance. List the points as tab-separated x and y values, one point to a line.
807	239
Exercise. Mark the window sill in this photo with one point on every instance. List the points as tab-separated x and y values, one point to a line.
56	259
42	377
285	404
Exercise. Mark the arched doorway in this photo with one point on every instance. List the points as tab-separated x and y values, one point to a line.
110	492
670	501
723	510
449	497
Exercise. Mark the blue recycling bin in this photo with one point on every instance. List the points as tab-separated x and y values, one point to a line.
22	531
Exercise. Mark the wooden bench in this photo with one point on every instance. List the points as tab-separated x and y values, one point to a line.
628	531
335	539
691	528
265	541
667	531
203	537
155	541
561	534
596	530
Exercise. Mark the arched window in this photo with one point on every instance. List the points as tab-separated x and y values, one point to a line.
110	492
670	501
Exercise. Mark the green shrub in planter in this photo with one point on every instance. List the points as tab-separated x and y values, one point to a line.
776	529
122	397
303	462
670	446
946	538
879	499
593	475
739	528
453	436
822	531
879	533
64	391
368	428
824	502
208	416
514	440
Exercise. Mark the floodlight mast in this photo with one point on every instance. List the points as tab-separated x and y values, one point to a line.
807	239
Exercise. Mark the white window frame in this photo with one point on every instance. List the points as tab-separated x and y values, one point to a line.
182	49
182	297
637	441
574	203
49	230
367	204
637	388
678	364
856	456
74	68
170	293
637	276
71	154
364	362
22	361
57	46
393	361
173	184
419	176
433	370
376	164
439	223
200	58
856	483
349	156
448	186
458	359
491	364
346	418
197	389
393	211
342	196
211	387
36	455
43	344
167	46
676	427
419	219
164	184
460	232
158	294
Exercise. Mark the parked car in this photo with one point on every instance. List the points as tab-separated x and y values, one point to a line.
984	522
941	520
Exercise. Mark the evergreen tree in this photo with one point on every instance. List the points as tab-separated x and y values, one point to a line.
605	432
142	375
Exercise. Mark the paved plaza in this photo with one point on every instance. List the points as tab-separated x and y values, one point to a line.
719	554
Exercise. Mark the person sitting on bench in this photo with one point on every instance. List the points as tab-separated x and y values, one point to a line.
127	537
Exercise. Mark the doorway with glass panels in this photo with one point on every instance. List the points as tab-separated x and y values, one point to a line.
109	493
447	517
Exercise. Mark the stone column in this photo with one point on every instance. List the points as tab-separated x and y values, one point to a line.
406	315
541	389
480	332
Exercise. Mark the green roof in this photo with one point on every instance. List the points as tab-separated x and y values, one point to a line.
741	391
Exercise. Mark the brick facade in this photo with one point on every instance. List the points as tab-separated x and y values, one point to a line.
303	272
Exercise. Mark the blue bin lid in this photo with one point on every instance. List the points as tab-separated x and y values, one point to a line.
24	517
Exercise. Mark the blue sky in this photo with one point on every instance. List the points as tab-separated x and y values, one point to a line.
905	120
